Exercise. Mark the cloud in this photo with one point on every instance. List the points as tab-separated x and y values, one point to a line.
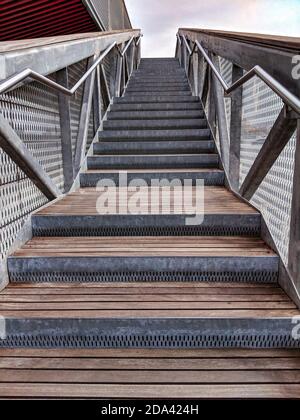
160	19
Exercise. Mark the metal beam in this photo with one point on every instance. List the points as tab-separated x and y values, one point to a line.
65	127
86	108
14	147
280	134
235	130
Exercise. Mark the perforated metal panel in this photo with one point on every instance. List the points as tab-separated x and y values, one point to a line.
112	13
258	276
226	72
251	229
75	72
117	13
102	9
261	107
32	110
159	340
19	197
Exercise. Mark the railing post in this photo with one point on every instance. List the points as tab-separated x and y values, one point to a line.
205	86
65	128
178	51
195	66
235	130
185	57
131	58
221	114
119	76
211	114
104	86
86	107
294	245
139	53
97	101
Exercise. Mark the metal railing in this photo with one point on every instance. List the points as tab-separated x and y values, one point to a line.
287	97
48	121
200	53
13	81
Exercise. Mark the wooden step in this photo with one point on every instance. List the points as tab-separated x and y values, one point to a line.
144	258
147	315
78	214
150	374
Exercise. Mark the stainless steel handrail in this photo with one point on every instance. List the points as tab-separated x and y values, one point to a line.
13	81
288	98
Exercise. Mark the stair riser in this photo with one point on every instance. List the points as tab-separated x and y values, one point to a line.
154	115
33	269
157	85
150	135
159	92
161	74
141	148
160	70
192	106
209	178
158	81
153	162
156	99
172	333
151	89
147	225
155	124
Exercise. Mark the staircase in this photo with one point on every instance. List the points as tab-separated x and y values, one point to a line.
122	280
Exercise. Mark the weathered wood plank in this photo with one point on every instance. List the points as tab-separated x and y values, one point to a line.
169	364
149	377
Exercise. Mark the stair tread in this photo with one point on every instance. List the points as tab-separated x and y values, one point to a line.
144	246
154	373
217	200
99	301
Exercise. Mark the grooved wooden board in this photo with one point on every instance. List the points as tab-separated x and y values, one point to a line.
147	300
216	200
144	246
169	374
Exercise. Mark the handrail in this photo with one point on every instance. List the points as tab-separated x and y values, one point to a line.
13	81
13	146
288	98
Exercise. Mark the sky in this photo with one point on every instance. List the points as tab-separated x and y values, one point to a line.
160	19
